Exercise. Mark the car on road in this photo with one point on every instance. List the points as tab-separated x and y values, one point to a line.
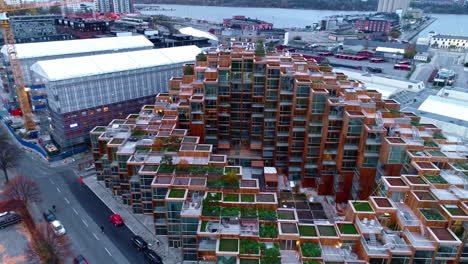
152	257
116	220
9	218
58	228
80	260
374	69
139	242
49	216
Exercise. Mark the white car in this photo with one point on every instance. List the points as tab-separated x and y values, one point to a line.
58	228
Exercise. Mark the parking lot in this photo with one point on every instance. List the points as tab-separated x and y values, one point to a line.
13	244
387	66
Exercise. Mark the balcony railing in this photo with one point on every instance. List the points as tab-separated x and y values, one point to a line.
373	246
418	240
369	226
406	215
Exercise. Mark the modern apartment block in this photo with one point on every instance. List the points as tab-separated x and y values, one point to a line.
222	203
90	90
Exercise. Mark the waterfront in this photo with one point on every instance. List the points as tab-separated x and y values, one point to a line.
283	17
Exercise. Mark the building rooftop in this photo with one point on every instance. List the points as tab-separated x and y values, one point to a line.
68	47
69	68
450	37
445	106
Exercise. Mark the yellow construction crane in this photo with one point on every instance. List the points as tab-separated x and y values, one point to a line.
9	38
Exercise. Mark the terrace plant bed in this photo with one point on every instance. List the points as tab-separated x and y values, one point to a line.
232	197
166	168
249	212
347	229
288	228
311	250
362	207
431	214
308	231
286	215
382	202
395	181
203	226
268	215
230	211
430	143
436	153
249	261
415	180
197	170
424	196
327	230
247	198
268	231
455	210
216	196
229	245
425	165
235	170
435	179
177	193
265	198
250	247
460	165
215	171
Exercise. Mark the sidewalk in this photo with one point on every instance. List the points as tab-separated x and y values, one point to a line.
139	224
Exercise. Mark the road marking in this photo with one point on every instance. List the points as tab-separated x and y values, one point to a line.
66	200
96	237
84	222
58	189
51	181
108	252
75	211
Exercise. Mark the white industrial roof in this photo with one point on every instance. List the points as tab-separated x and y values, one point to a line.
69	68
446	107
390	50
197	33
57	48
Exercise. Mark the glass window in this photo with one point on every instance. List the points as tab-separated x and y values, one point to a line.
396	155
211	90
223	77
319	103
236	66
303	91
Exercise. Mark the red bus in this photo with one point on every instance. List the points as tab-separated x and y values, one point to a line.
405	62
350	57
377	60
404	67
326	53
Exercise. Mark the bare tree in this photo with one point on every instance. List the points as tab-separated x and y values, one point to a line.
9	155
47	247
23	189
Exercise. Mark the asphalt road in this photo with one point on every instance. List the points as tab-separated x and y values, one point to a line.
80	211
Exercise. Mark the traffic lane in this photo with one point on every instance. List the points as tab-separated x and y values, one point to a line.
100	213
79	229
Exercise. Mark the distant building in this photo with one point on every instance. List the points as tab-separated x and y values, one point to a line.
243	22
391	6
115	6
34	29
449	41
30	53
92	90
374	25
167	40
83	28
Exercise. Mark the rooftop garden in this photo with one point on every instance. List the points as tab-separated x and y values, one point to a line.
435	179
247	198
211	205
248	212
177	193
266	198
454	210
268	215
231	245
286	215
268	231
431	214
308	231
362	207
117	141
230	211
460	165
249	247
326	230
311	250
347	229
288	228
228	181
430	143
231	197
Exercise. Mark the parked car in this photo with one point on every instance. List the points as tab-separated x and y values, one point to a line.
58	228
374	69
116	220
8	219
152	257
49	216
139	242
80	260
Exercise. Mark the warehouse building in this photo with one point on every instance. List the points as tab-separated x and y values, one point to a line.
92	90
30	53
